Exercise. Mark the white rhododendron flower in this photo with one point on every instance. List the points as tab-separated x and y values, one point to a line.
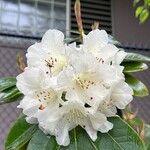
49	54
97	43
69	85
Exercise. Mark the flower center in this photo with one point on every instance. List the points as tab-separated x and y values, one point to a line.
46	97
55	64
84	81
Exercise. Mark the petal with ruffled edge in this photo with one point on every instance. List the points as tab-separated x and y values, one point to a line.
100	123
49	54
34	54
122	95
120	56
53	41
106	54
31	80
30	108
95	40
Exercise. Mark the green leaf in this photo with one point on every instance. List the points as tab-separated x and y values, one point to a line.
144	15
134	66
40	141
147	136
20	134
8	90
10	95
121	137
24	147
137	57
7	82
139	11
138	87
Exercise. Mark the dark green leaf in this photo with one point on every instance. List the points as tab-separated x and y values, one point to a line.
10	95
121	137
24	147
138	87
134	66
20	134
7	82
136	57
40	141
148	148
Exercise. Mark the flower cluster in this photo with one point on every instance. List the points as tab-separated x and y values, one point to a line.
68	85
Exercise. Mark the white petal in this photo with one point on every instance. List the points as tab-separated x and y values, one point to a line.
31	120
110	74
59	127
89	129
71	95
95	40
122	95
51	114
82	62
62	136
65	78
109	111
95	95
30	80
34	55
100	123
120	56
52	41
105	127
30	106
107	53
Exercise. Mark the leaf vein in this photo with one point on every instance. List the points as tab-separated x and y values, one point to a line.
115	141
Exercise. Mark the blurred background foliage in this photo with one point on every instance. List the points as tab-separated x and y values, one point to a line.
142	11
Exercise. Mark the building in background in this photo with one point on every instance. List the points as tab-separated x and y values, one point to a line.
22	22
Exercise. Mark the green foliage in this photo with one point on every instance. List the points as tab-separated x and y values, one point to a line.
139	11
40	141
10	95
144	15
8	90
147	136
138	87
7	82
122	136
20	134
134	66
142	11
136	57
